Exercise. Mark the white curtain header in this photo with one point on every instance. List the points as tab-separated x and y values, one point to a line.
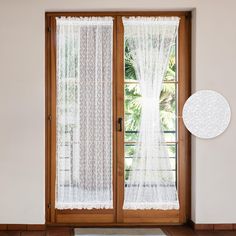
151	20
84	20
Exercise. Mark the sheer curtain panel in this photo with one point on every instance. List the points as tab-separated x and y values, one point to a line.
151	183
84	113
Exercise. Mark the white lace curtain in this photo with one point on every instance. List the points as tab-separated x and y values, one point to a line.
151	184
84	113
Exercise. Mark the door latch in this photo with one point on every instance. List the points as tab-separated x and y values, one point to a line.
120	124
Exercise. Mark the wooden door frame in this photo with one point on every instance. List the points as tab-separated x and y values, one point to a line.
117	217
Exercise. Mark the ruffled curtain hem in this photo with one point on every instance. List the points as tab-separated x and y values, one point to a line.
84	205
152	205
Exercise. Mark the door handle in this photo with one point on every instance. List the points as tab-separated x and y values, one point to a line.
120	124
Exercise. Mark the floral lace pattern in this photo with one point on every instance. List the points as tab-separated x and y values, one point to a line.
84	113
150	184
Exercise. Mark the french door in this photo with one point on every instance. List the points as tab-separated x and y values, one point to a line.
125	111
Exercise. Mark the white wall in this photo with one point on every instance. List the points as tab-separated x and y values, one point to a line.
22	141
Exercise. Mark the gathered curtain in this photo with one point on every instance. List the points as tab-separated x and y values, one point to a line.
151	183
84	113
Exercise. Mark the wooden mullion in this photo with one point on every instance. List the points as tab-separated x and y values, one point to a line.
47	121
118	13
53	119
187	133
183	134
181	187
114	148
120	113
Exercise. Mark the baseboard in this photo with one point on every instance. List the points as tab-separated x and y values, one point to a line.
23	227
212	226
41	227
3	227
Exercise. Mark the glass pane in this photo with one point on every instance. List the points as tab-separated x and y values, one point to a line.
130	151
132	111
84	114
168	111
172	152
130	71
171	69
129	67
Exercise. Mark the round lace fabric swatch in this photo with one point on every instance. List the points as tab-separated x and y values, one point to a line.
206	114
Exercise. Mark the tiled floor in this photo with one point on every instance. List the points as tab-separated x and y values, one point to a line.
169	230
